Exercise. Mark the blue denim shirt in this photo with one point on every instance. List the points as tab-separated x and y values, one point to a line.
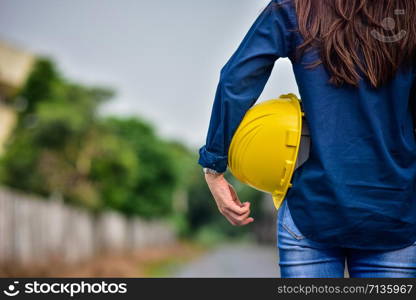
357	189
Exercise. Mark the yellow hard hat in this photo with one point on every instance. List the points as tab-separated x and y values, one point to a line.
264	149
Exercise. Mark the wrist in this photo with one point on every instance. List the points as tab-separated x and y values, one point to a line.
214	179
212	176
208	171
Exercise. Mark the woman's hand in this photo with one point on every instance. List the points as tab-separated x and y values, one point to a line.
237	213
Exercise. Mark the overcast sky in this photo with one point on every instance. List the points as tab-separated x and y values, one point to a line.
162	57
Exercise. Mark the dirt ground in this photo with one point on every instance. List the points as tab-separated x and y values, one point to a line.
151	262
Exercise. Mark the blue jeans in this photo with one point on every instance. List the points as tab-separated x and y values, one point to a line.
301	257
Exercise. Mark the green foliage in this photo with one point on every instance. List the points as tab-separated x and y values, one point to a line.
61	146
56	138
203	213
42	85
151	194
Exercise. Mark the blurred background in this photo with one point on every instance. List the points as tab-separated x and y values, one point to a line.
103	106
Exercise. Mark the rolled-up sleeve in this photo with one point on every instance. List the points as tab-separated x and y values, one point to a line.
243	79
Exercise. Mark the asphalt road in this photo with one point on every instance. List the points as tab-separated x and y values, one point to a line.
234	260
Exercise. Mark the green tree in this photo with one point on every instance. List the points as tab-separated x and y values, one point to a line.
58	137
62	146
152	194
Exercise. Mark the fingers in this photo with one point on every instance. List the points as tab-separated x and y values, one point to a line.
235	205
247	221
234	195
236	219
228	203
235	222
237	209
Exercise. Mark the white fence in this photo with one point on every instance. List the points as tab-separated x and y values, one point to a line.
36	231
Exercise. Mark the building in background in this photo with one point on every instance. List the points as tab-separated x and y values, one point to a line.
15	66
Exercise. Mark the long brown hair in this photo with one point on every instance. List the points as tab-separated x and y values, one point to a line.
374	37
